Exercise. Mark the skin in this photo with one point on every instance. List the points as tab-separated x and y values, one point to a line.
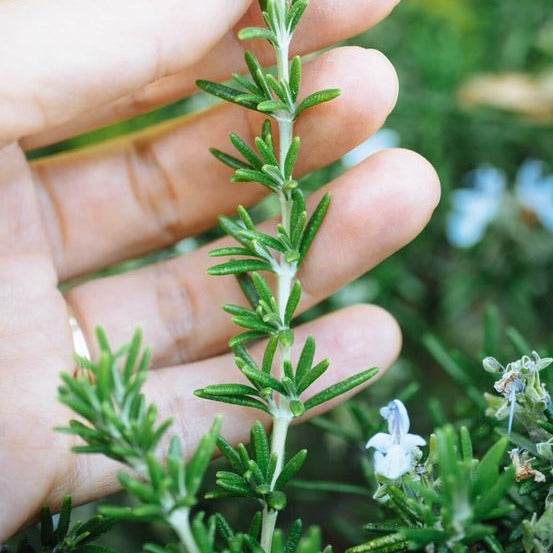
83	66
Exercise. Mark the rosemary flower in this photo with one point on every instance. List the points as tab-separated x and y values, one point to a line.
519	382
478	204
393	456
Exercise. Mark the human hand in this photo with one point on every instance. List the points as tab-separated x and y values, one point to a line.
85	66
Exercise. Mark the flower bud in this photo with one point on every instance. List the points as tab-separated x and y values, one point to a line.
492	365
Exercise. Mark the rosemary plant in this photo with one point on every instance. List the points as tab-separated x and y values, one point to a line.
107	394
444	503
271	312
122	426
456	499
59	535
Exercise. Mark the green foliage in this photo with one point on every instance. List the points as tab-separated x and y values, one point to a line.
107	395
311	543
263	92
521	521
65	537
121	425
263	473
450	502
253	473
264	386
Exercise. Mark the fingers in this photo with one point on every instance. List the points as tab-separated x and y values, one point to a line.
122	200
84	53
325	23
376	208
354	339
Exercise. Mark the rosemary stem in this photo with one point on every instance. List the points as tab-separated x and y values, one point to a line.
179	520
280	430
268	528
281	422
283	48
287	272
285	279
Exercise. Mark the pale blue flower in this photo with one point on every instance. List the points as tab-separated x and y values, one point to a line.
394	451
381	140
534	191
474	208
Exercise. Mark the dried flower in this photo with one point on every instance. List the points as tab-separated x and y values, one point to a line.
523	466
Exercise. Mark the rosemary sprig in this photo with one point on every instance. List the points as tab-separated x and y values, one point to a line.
271	313
117	422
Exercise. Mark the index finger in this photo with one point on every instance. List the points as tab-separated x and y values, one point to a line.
82	54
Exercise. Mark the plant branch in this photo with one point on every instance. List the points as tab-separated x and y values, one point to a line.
179	520
285	281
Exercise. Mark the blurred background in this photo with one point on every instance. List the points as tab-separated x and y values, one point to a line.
476	99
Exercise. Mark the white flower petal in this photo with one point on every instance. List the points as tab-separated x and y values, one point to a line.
529	174
410	441
393	456
472	209
479	206
488	180
394	464
385	412
402	416
471	213
380	441
379	462
545	215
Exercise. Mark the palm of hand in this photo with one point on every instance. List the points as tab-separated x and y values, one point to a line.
35	346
